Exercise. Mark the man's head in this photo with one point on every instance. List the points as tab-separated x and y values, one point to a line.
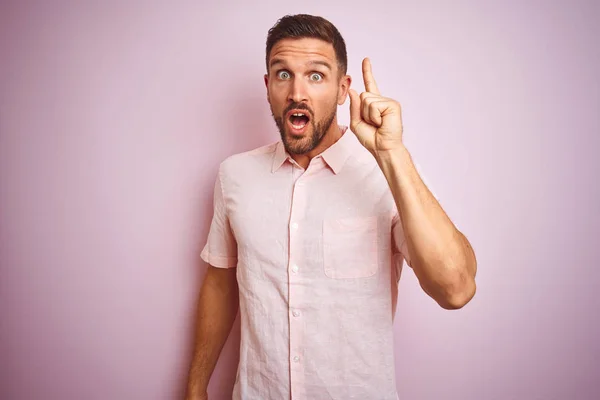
306	79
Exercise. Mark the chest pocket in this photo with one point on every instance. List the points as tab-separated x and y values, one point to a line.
350	247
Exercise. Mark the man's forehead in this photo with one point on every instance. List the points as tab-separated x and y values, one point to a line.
307	49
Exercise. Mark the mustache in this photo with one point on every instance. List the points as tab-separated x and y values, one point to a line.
298	106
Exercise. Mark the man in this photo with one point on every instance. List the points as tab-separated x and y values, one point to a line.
309	235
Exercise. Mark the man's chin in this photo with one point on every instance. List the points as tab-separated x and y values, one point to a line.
298	144
296	148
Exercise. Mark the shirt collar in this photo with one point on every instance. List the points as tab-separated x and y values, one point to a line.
335	155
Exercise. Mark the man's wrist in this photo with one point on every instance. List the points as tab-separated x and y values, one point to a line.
389	154
396	164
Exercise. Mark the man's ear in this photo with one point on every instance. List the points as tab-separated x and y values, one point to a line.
267	84
345	83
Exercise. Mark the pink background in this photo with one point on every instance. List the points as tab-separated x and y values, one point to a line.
114	118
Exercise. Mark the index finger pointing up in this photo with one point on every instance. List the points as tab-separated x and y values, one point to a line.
370	84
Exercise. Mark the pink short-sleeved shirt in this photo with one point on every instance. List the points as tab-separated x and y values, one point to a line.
319	254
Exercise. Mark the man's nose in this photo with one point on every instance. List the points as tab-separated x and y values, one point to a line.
297	91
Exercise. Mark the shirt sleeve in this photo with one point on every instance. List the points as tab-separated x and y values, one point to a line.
220	249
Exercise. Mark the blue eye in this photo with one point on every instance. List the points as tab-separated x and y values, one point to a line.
283	75
315	77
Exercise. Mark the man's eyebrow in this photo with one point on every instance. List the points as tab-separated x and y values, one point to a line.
323	63
276	61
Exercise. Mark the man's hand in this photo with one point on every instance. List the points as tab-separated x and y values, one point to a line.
374	119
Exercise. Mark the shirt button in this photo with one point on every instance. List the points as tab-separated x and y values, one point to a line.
296	359
295	225
295	269
296	313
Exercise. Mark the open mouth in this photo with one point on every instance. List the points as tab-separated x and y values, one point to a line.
298	120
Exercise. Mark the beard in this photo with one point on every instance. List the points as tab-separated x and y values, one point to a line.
318	129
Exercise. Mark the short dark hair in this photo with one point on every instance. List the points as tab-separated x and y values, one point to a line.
308	26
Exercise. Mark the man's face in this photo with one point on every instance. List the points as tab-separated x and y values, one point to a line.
304	87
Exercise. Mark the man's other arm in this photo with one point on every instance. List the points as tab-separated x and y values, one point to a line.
217	309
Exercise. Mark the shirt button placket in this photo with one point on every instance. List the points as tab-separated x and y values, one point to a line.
295	294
